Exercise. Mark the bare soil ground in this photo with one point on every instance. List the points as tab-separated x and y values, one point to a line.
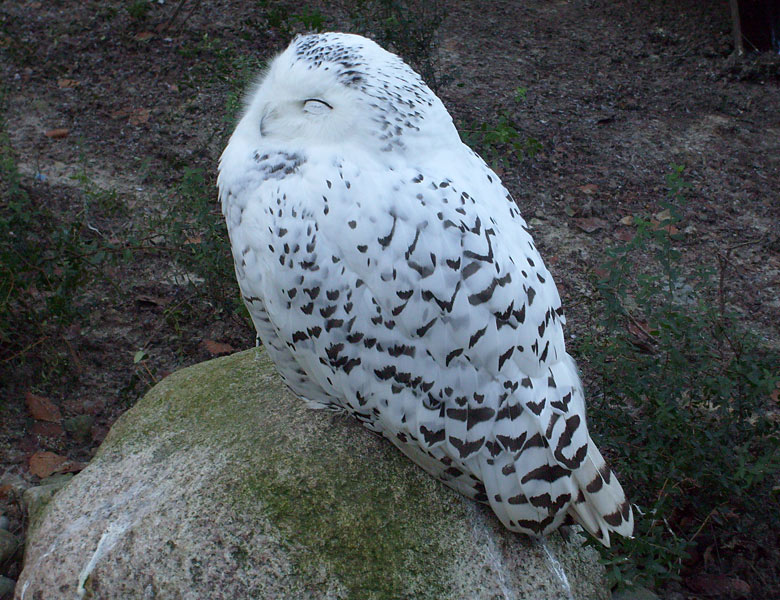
615	92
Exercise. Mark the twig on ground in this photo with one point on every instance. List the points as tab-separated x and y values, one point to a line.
173	16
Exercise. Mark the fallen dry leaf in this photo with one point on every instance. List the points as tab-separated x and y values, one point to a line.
590	224
217	348
42	409
588	188
45	463
662	216
139	115
57	134
5	491
144	35
624	234
67	83
641	338
627	220
668	227
153	300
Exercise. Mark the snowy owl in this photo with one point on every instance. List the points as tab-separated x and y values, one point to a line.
389	274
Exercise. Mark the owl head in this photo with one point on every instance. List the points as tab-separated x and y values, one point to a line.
337	89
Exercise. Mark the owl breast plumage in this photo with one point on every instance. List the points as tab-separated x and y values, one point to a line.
390	274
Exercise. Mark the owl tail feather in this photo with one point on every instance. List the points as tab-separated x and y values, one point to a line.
601	507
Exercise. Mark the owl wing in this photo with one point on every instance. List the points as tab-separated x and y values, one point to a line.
421	301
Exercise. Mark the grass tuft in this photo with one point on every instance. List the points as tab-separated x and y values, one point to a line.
48	260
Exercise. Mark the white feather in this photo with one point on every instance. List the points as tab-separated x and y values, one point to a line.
390	274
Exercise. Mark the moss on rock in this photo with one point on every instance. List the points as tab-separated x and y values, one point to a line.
220	477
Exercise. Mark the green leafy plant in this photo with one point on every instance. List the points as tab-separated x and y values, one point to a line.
501	140
244	69
139	9
277	15
406	27
280	16
49	254
196	239
682	404
311	19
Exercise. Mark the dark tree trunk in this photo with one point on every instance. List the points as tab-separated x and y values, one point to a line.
756	25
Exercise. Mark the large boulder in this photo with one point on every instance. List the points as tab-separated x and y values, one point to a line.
221	484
